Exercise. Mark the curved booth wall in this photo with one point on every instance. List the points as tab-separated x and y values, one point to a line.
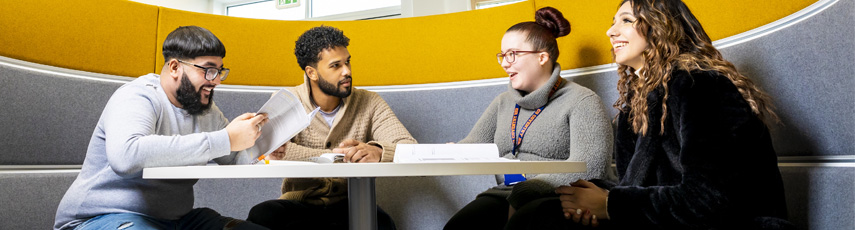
802	59
124	38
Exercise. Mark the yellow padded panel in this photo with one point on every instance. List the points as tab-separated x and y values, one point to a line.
588	45
125	38
442	48
103	36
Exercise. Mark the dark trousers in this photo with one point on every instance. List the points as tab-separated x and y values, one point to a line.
490	212
485	212
287	214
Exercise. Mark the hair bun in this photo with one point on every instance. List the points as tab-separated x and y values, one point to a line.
552	19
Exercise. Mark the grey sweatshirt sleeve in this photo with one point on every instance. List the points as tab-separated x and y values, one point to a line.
591	136
485	127
130	122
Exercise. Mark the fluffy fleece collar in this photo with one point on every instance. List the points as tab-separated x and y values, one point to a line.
540	96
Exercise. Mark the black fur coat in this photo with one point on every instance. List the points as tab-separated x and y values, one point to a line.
713	168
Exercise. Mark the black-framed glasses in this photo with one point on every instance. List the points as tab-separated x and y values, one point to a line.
210	72
511	55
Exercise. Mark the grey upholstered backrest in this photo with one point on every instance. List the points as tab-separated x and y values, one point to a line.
47	117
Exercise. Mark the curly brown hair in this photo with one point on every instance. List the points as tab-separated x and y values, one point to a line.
676	39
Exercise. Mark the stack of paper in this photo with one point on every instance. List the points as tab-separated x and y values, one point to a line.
326	158
286	117
443	153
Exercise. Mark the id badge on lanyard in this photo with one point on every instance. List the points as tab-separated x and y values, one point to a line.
511	179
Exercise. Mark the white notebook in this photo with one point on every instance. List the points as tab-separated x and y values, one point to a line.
443	153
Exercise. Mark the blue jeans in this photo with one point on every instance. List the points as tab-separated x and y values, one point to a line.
200	218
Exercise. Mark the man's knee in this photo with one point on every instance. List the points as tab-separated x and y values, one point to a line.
120	221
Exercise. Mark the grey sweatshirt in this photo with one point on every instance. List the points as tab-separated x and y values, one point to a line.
140	128
573	127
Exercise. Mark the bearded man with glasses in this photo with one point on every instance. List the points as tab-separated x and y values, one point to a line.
160	120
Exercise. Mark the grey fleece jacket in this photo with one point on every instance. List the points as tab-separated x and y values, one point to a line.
572	127
140	128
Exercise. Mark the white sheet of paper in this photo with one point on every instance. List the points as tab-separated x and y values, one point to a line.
443	153
286	118
281	162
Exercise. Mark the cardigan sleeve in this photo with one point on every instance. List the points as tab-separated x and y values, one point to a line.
703	112
296	152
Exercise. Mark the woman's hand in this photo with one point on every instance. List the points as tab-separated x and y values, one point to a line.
584	202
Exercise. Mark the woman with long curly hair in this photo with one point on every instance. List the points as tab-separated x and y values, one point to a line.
692	146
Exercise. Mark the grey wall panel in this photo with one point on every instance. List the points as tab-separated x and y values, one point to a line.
428	202
235	197
48	119
439	116
235	103
820	197
29	200
808	70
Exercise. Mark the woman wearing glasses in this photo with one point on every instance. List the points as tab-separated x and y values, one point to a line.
692	148
541	117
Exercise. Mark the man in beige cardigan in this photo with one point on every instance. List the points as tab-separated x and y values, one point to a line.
354	122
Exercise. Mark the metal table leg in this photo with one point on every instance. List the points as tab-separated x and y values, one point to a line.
362	205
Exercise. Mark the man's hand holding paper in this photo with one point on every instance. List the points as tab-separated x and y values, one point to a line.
244	130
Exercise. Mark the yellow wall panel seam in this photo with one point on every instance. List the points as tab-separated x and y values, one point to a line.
156	38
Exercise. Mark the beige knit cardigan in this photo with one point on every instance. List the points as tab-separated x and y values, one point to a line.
365	117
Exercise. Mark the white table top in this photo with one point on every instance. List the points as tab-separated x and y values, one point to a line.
362	170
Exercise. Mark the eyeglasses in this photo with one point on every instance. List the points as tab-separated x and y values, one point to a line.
512	55
210	72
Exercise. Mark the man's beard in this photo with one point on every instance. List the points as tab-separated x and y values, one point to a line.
191	98
333	89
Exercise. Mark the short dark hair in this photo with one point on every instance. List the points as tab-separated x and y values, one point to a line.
315	40
188	42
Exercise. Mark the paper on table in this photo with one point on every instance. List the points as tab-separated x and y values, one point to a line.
280	162
328	158
426	153
286	118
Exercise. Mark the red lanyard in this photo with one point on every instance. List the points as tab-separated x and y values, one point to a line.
516	141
